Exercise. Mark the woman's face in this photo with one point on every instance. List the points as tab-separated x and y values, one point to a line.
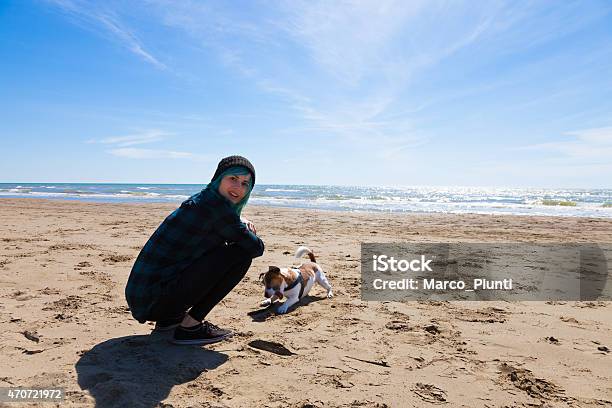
234	188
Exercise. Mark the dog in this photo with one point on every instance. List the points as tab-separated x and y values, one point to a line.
293	282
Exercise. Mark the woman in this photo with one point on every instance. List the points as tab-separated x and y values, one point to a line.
196	257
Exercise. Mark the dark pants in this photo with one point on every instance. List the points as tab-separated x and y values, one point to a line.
203	284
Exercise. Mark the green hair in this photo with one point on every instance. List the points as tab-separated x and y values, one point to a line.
233	171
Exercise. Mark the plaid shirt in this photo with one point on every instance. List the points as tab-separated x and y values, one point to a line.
202	222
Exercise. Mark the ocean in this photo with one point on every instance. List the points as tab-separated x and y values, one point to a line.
450	200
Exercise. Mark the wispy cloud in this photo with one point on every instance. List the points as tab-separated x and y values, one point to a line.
137	153
121	147
588	145
148	136
128	39
93	17
356	59
378	76
350	40
355	62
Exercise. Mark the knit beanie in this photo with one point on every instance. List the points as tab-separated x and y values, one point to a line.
232	161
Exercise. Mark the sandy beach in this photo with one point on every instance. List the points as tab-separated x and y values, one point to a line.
65	322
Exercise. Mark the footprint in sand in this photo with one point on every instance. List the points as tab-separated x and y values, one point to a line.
398	326
429	393
22	296
82	265
432	329
116	258
72	302
524	380
552	340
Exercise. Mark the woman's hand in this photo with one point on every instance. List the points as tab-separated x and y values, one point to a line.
249	225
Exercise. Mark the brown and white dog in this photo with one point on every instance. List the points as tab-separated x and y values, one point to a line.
293	282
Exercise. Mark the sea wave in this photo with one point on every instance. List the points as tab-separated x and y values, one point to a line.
130	195
411	206
452	200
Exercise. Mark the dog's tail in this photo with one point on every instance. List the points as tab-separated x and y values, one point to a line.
301	251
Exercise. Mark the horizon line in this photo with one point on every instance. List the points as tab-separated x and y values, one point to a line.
325	185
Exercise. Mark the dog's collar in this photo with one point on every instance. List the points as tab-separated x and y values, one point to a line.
299	280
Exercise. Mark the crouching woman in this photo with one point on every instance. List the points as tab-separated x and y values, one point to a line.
196	257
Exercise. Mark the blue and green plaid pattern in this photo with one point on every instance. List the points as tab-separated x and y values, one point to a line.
202	222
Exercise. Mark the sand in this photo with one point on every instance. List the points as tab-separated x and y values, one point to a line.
64	320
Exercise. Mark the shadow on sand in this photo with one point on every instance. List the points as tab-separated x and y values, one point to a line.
140	371
261	315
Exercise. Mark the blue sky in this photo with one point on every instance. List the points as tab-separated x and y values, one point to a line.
355	93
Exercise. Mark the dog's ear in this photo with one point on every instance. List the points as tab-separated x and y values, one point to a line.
273	269
261	275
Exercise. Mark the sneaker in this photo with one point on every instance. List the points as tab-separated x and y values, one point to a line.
203	333
168	324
